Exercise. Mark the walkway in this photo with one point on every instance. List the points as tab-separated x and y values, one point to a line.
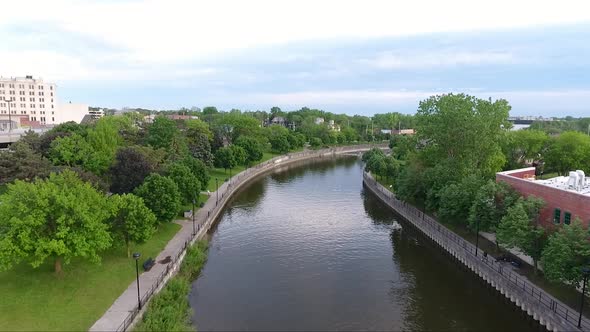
549	311
122	314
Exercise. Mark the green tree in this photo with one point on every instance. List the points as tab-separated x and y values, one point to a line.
21	162
69	150
239	154
566	253
570	151
457	198
188	184
520	228
161	195
254	150
278	137
490	204
162	132
198	169
225	158
521	145
131	220
58	218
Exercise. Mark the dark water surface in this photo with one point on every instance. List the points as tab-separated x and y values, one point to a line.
308	249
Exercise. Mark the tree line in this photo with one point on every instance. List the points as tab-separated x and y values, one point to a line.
449	166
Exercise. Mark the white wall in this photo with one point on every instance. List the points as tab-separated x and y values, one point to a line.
70	112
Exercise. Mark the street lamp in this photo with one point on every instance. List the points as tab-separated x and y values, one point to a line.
136	257
217	190
9	115
585	273
194	202
476	235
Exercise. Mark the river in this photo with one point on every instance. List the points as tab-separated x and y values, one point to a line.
306	248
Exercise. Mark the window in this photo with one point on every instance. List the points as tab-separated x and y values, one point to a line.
32	99
52	94
23	112
51	105
52	119
32	105
23	105
1	92
11	86
40	93
42	119
41	87
1	85
557	216
12	92
21	86
51	88
31	93
31	86
567	217
22	93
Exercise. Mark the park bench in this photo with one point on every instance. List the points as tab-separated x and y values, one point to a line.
148	264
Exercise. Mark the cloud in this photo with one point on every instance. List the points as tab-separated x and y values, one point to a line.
445	58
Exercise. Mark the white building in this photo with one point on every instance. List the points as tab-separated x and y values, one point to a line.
36	99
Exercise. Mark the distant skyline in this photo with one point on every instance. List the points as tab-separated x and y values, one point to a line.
343	57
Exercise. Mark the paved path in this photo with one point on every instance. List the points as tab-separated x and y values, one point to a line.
120	315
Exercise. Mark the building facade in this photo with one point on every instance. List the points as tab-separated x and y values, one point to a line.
27	101
566	198
28	96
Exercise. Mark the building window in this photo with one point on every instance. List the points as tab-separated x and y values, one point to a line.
21	86
1	92
557	216
51	88
31	93
567	218
52	94
51	105
1	85
32	105
23	112
41	87
22	93
11	86
12	92
31	86
52	119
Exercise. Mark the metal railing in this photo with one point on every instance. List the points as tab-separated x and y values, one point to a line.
225	191
433	227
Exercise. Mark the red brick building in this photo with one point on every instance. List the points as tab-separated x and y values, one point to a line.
566	198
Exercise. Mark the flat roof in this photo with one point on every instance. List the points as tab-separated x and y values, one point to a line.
558	182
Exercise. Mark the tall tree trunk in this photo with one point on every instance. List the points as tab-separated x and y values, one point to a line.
58	265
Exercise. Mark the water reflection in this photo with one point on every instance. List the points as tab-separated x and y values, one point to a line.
300	250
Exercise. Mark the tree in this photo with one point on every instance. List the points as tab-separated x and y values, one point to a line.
225	158
58	218
208	110
20	162
252	147
457	198
520	228
239	154
131	167
464	131
315	142
490	204
566	253
70	150
278	138
131	220
198	169
161	132
160	194
188	184
522	145
570	151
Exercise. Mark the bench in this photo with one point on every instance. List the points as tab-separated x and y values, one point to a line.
148	264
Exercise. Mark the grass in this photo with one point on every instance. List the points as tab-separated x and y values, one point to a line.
169	310
187	207
36	299
548	175
222	174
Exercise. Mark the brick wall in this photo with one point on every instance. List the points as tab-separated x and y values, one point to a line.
578	205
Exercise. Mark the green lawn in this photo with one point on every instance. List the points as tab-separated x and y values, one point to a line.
35	299
222	175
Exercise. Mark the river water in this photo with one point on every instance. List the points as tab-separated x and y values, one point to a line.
306	248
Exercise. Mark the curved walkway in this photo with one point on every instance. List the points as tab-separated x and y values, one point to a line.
124	312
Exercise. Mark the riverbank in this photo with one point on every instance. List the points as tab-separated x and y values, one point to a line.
169	310
124	311
543	307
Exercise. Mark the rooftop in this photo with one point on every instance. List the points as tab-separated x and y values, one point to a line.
576	182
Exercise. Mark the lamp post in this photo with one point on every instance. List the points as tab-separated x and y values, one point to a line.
136	256
217	189
585	273
476	236
193	214
9	114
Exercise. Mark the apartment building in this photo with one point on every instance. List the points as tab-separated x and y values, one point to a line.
30	97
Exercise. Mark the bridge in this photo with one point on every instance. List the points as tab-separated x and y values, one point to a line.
543	307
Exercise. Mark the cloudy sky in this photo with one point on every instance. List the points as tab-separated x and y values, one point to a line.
342	56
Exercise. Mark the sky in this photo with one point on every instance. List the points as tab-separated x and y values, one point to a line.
355	57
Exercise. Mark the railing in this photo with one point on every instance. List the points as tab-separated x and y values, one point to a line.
419	218
225	191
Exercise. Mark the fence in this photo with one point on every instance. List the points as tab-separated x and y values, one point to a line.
225	191
493	271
